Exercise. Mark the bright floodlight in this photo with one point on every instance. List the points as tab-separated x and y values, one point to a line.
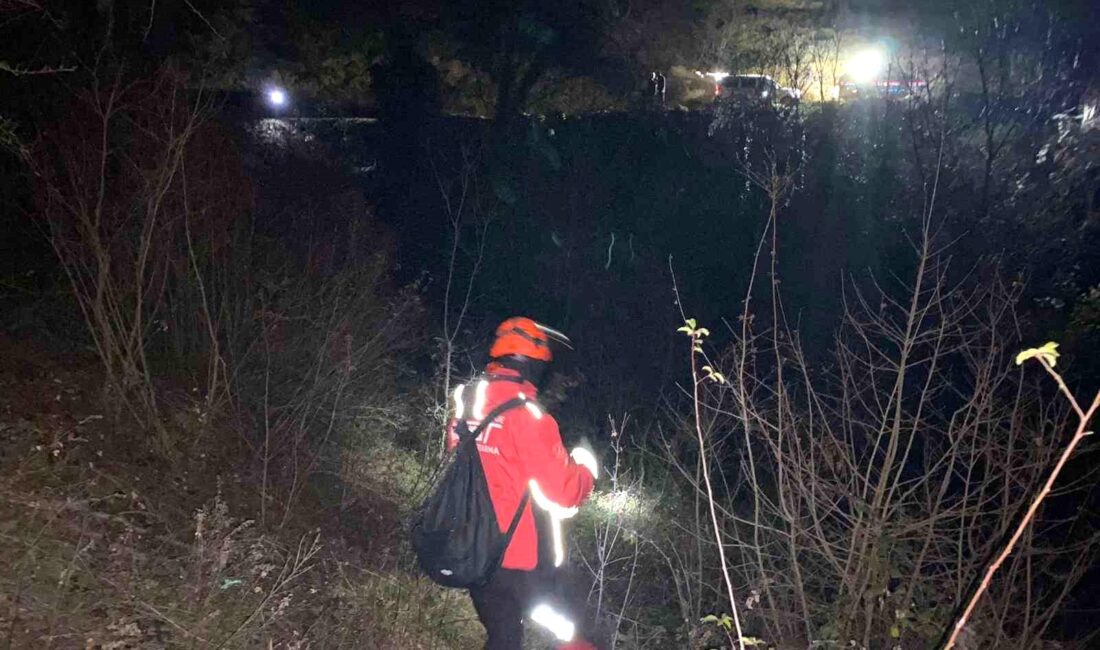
717	75
866	65
277	97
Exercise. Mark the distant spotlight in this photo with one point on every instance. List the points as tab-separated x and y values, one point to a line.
717	75
276	97
866	65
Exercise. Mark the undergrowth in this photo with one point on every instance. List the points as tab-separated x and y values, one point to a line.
105	546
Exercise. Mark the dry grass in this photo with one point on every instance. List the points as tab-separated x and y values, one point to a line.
102	546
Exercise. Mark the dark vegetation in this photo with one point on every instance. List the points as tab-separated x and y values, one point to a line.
227	336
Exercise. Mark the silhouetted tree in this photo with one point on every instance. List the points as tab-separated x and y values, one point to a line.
519	42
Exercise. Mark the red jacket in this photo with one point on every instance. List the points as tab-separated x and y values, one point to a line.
521	448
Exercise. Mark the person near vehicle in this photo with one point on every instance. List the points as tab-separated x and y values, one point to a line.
521	452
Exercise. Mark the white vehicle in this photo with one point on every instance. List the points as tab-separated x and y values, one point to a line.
754	88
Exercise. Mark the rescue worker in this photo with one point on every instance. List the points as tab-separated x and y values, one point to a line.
522	451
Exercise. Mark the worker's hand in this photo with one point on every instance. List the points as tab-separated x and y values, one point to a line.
585	458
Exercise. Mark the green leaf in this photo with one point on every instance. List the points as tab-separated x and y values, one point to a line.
702	331
895	632
713	374
690	323
1048	352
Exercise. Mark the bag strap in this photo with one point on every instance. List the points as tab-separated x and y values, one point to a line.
515	402
516	517
510	404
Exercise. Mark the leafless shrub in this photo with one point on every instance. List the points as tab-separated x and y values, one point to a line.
885	483
1047	356
460	191
323	380
129	189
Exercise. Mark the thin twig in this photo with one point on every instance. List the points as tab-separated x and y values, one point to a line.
1078	436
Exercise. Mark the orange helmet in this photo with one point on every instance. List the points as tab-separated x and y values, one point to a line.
524	337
